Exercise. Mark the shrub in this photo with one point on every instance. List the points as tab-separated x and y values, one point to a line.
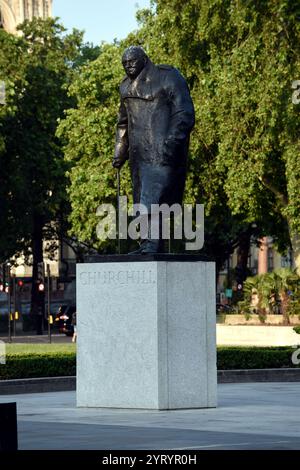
56	364
274	292
20	366
254	357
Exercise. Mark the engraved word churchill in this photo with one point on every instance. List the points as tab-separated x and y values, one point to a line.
124	277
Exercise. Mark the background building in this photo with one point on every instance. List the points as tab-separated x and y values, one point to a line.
14	12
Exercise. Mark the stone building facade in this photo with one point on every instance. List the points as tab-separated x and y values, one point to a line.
14	12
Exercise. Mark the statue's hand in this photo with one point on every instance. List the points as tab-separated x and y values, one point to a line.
117	163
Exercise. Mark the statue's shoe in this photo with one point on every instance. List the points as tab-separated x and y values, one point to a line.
139	251
149	248
152	247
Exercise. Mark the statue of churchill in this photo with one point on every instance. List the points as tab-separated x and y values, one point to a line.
155	120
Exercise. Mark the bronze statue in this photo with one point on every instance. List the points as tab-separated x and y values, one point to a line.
155	120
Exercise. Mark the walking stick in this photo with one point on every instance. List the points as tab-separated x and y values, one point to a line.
118	205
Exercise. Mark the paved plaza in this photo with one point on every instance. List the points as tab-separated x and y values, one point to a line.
249	416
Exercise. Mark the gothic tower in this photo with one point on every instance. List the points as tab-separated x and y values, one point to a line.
14	12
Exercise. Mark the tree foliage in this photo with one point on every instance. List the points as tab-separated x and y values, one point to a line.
240	59
87	134
37	69
11	194
271	293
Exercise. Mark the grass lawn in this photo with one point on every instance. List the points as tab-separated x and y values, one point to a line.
39	349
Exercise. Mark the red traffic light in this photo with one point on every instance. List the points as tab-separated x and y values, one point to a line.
20	283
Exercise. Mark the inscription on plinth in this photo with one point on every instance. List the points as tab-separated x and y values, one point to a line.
146	335
123	277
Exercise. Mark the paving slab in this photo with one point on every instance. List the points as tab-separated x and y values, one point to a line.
249	416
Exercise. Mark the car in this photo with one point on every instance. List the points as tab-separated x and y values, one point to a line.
224	308
63	319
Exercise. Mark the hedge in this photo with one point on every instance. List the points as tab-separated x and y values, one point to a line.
38	365
255	357
20	366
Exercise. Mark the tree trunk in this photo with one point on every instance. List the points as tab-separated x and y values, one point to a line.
37	296
284	298
241	270
263	256
295	241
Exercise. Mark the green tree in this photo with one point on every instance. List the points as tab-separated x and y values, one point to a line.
37	68
87	133
282	287
240	59
11	204
188	35
258	124
92	180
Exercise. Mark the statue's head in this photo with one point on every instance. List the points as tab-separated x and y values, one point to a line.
134	60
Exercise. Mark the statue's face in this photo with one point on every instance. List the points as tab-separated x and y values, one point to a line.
133	64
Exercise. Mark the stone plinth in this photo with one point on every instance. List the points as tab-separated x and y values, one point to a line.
146	333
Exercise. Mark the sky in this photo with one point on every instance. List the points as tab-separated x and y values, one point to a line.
102	20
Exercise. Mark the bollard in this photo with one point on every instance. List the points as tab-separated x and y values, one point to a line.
8	427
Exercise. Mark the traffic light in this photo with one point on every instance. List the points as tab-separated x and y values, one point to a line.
2	275
41	277
20	283
240	276
7	278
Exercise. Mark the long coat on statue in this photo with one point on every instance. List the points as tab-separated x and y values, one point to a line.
155	120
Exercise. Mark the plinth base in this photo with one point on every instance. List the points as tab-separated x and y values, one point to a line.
146	334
